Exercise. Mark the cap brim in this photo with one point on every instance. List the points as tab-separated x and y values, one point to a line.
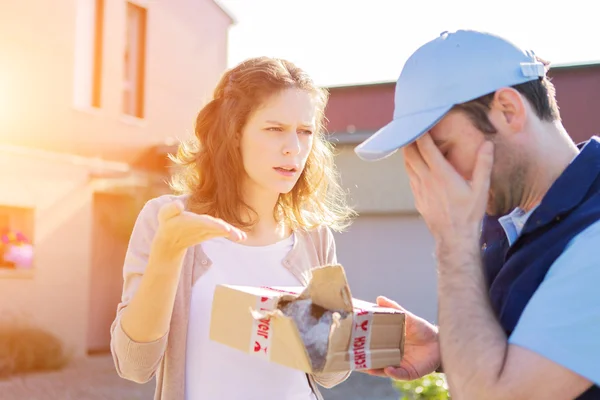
398	133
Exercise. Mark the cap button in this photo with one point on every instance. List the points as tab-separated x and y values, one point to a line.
444	34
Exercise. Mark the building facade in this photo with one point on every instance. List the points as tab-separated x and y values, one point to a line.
91	91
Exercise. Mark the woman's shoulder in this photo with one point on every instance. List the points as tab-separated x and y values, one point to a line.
316	246
319	233
152	206
319	238
167	198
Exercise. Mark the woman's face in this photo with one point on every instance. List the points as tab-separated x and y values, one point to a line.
277	140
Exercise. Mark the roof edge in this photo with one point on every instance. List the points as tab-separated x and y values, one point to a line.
557	66
361	85
576	65
226	11
348	138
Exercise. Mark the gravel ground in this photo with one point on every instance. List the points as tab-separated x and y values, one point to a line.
94	378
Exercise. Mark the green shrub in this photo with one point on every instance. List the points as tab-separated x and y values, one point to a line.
429	387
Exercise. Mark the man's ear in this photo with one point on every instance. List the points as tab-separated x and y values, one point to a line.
509	109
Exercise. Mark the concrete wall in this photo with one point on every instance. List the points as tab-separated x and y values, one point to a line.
375	187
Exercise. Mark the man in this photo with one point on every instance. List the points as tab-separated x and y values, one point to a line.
480	132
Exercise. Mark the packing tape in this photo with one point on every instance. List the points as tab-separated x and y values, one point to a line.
360	342
260	340
277	290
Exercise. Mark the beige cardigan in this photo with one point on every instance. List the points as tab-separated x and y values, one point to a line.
165	358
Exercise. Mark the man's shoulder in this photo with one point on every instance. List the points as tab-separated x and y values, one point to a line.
562	320
592	232
581	252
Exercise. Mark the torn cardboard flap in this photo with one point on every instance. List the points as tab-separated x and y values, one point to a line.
320	328
329	289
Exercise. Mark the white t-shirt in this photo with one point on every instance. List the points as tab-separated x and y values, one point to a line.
215	371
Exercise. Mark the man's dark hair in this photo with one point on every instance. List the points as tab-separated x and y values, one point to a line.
540	93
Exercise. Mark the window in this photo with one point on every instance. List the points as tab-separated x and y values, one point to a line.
16	238
135	54
89	45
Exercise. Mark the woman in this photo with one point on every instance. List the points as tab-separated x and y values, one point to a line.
259	197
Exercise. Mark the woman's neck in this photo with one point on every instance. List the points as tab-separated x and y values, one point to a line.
267	228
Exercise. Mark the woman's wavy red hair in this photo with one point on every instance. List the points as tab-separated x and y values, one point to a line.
210	165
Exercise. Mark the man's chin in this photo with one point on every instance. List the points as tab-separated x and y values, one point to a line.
492	210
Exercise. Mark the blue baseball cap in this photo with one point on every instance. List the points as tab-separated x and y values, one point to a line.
449	70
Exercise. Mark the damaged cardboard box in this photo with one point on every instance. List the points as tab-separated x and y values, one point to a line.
320	328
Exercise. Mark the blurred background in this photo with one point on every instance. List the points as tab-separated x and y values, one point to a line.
95	93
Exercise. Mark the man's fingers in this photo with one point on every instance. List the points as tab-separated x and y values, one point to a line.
435	160
388	372
430	152
375	372
414	160
383	301
410	171
397	373
483	168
